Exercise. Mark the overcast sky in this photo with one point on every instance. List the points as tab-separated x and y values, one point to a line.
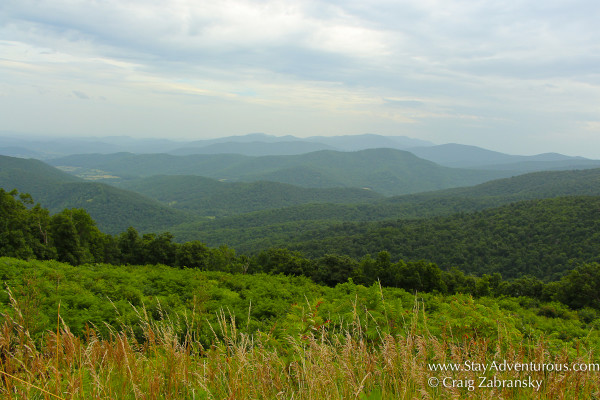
521	77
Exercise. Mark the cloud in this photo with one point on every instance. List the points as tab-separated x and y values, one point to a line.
81	95
513	64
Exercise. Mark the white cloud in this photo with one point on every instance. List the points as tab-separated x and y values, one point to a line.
519	65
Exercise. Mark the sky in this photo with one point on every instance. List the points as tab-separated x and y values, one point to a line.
521	77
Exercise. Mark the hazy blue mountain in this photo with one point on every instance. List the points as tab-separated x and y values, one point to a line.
252	144
369	141
464	156
248	138
21	152
52	147
386	171
45	148
254	148
261	144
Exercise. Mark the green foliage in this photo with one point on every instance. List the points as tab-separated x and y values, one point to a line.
284	306
209	197
24	230
114	209
72	236
277	227
579	288
542	238
193	254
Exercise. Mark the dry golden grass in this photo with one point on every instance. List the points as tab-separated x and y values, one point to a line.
322	365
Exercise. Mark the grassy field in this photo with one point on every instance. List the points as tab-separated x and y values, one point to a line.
167	362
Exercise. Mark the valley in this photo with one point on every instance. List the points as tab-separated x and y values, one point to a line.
367	245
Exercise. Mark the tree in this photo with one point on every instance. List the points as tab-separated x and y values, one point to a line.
159	249
281	261
66	240
130	246
333	269
15	240
193	254
579	288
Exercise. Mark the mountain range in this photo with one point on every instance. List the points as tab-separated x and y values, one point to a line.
386	171
255	144
214	193
252	231
260	144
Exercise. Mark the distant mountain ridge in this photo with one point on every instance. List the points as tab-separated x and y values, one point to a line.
260	144
253	144
464	156
254	148
387	171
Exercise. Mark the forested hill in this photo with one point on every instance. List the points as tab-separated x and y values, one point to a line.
209	197
535	185
33	176
246	231
386	171
114	209
543	238
549	238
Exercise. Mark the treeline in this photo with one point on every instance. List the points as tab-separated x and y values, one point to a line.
71	236
578	289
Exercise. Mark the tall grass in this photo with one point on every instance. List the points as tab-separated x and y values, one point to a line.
167	361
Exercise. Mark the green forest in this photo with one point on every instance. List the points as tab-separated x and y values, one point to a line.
356	291
545	247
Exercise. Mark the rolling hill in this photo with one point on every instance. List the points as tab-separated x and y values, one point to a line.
31	176
544	238
387	171
209	197
251	231
257	148
114	209
254	144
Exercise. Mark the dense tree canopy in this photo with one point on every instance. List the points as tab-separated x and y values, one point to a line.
29	231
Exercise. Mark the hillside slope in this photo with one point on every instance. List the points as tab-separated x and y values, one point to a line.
210	197
114	209
247	230
543	238
386	171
